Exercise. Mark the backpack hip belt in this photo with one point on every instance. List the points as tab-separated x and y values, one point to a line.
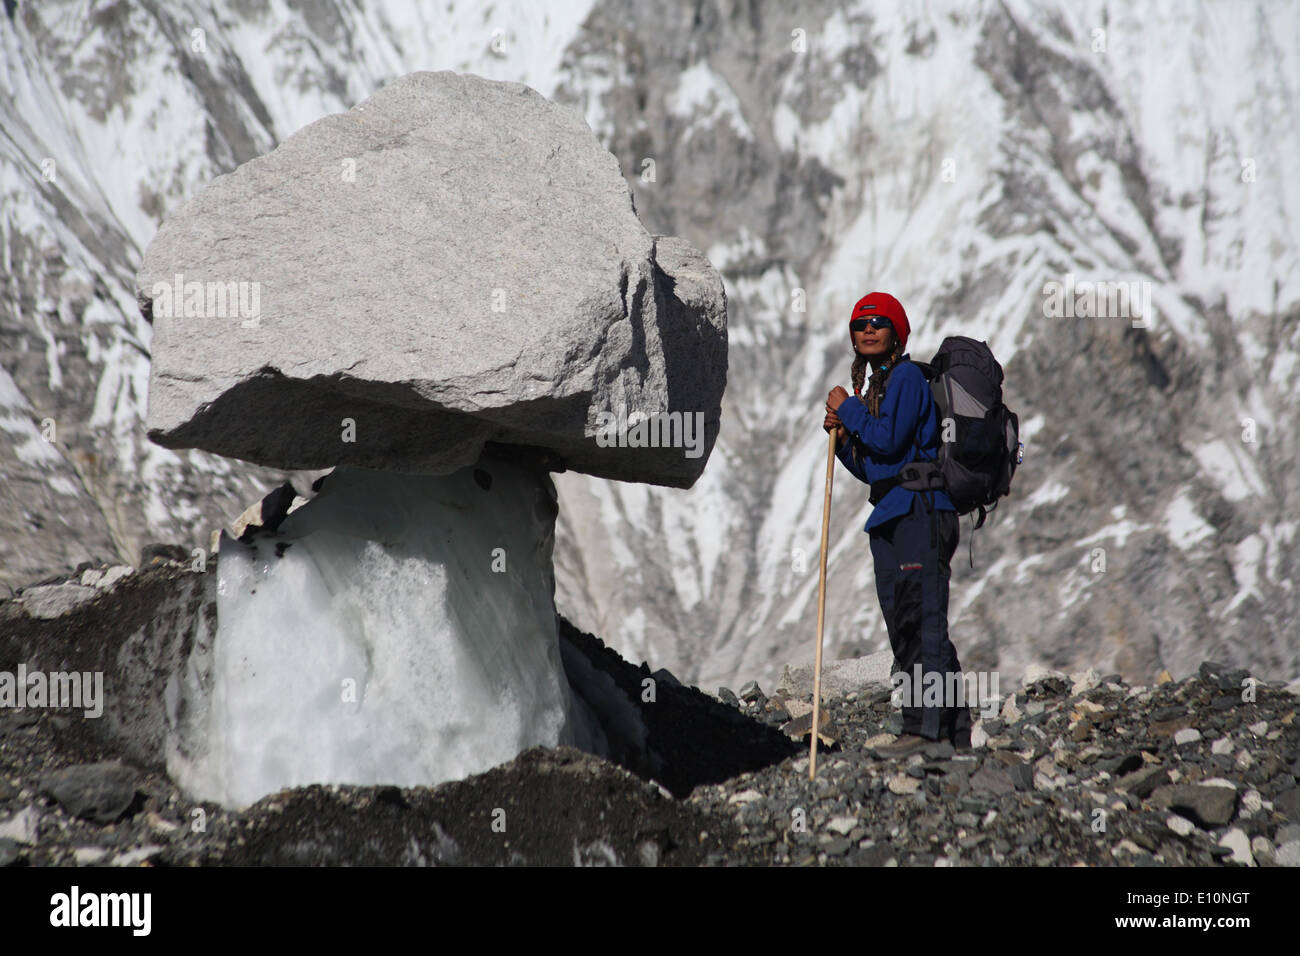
918	475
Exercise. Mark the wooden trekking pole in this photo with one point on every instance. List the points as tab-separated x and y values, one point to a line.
821	607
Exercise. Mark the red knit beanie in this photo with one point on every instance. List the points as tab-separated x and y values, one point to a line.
882	303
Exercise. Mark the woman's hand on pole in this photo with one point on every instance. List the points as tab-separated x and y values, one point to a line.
833	422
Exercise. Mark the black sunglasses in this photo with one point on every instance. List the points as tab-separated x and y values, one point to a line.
876	322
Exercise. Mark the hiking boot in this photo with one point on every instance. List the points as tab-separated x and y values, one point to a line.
904	746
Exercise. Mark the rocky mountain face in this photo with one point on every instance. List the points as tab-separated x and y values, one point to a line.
963	159
982	162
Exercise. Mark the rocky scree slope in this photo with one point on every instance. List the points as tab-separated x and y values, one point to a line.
1178	773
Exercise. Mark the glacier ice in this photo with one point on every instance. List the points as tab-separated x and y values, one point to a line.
397	629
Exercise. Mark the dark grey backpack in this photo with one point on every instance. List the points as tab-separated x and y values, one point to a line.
979	436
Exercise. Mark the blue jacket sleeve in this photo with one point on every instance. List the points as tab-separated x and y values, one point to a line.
891	432
855	465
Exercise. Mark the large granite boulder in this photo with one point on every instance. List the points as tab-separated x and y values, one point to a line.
454	262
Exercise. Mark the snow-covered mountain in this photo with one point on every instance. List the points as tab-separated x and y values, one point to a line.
973	159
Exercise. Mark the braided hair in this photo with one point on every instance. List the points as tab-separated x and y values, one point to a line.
879	378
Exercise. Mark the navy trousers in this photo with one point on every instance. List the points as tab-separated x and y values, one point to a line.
912	555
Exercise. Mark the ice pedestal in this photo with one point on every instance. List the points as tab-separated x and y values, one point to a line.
398	629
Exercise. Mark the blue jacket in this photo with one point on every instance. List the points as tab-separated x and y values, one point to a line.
888	441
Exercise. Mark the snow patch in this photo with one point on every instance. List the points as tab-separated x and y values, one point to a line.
1229	467
706	98
1047	493
1183	524
1246	558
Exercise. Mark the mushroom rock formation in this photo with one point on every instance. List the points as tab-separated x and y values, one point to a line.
444	294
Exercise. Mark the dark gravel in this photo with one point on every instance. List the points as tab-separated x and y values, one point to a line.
1085	781
1105	777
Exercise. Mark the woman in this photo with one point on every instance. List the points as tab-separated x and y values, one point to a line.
913	534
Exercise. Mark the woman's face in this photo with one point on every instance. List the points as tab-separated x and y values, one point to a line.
874	342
